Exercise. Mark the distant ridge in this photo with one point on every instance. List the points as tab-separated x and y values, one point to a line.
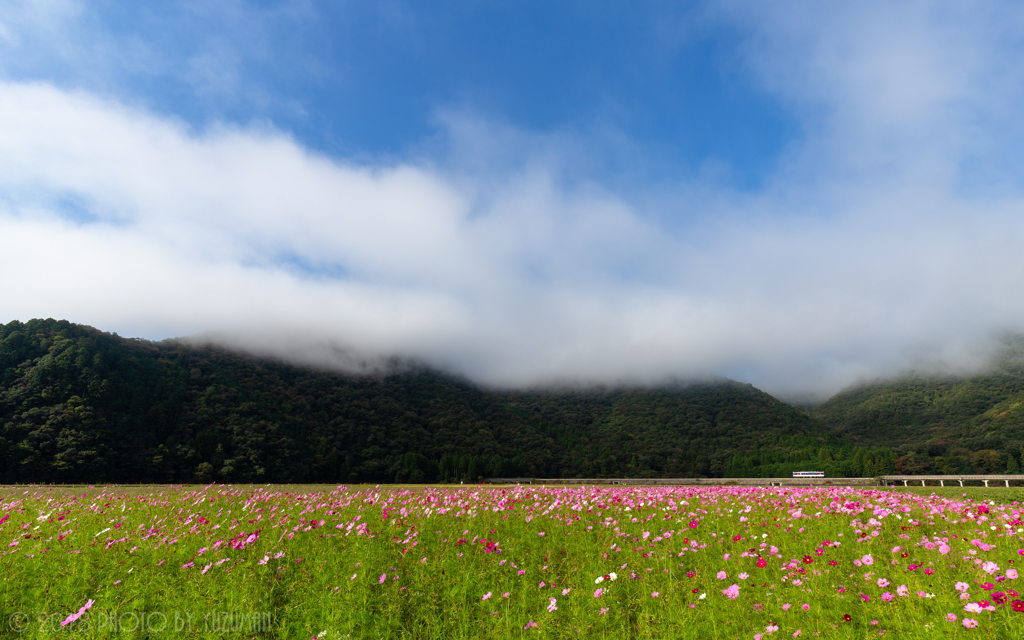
941	424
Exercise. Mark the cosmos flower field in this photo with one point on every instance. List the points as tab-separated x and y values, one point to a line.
434	562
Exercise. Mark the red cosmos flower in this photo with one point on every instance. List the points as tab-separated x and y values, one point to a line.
832	563
1018	606
808	559
695	590
904	554
690	574
847	617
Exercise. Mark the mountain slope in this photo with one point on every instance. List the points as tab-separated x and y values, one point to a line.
718	428
80	405
945	424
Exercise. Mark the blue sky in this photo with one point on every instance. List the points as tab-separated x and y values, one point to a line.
797	195
373	79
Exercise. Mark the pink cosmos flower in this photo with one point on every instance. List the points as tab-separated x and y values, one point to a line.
654	594
597	593
902	590
786	606
951	617
1011	574
732	592
805	607
486	596
887	596
882	582
383	577
868	560
970	623
722	575
962	586
75	616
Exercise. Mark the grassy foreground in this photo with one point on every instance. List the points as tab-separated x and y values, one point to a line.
452	562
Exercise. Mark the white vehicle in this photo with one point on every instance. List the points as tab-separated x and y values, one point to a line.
808	474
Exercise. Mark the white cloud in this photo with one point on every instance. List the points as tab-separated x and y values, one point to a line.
870	250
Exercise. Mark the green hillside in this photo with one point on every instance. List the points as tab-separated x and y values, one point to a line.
80	405
941	424
716	429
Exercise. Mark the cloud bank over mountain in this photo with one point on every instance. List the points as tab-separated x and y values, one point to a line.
884	234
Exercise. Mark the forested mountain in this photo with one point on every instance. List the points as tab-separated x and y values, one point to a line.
80	405
941	424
